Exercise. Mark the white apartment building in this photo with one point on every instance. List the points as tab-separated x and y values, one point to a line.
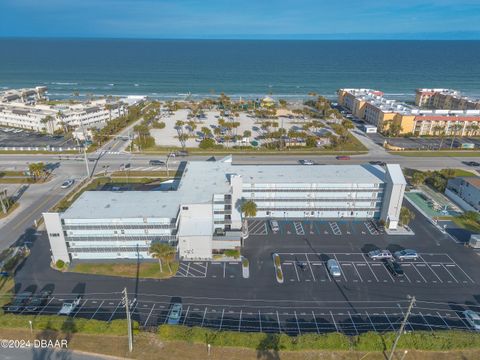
203	216
21	109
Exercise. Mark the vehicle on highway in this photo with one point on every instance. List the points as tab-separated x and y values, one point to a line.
20	301
334	268
343	157
274	226
175	314
67	183
376	162
393	267
307	162
69	306
38	301
471	163
407	254
379	254
156	163
473	318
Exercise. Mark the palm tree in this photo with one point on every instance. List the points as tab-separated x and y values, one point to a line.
36	169
249	209
162	252
455	129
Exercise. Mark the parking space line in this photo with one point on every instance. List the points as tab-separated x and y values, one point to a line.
99	306
149	314
464	323
334	322
40	312
357	272
454	278
316	324
296	271
114	311
371	322
240	320
204	313
260	320
296	319
388	272
430	268
80	308
469	278
224	265
388	319
407	322
353	322
338	262
221	320
366	261
441	317
186	315
278	321
419	273
423	317
310	267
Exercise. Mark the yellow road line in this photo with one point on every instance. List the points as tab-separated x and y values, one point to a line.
21	222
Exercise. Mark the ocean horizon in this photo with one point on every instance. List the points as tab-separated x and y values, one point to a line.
289	69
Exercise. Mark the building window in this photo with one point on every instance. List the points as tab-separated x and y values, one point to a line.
54	234
184	207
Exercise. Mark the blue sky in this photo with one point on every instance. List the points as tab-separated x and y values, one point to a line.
297	19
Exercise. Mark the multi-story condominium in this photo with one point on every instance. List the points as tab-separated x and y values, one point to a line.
201	214
465	191
21	109
371	106
445	99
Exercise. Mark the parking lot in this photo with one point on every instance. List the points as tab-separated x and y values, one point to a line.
10	137
314	227
210	269
358	267
350	318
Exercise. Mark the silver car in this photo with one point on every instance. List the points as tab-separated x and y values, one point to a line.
380	254
334	268
407	254
473	318
175	314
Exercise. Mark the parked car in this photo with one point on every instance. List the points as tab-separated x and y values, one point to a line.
302	265
343	157
307	162
393	267
38	301
473	318
175	314
156	163
379	254
20	301
69	306
471	163
67	183
407	254
274	226
376	162
334	268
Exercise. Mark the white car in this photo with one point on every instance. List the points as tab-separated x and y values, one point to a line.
69	306
67	183
473	318
307	162
407	254
334	268
380	254
274	226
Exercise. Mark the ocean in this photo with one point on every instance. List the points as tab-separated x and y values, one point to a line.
289	69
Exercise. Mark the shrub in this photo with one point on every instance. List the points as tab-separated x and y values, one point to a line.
245	262
232	253
277	260
60	264
279	274
158	125
207	144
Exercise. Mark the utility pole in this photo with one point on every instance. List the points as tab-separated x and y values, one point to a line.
129	320
402	327
86	160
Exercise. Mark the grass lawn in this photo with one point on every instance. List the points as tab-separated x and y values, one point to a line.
37	152
146	269
467	224
9	211
465	153
7	285
461	172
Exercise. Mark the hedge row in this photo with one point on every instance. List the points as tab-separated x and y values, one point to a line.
65	324
370	341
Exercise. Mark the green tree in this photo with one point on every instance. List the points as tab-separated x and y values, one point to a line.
207	143
163	253
247	133
455	129
418	178
36	170
248	209
406	216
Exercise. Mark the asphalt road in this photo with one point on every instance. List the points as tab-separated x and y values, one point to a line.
38	353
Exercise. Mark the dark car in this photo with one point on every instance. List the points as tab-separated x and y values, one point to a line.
376	162
472	163
393	267
38	301
156	163
20	301
343	157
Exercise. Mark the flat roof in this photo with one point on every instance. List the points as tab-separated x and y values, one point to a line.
202	179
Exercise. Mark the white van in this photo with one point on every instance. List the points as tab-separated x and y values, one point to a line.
274	226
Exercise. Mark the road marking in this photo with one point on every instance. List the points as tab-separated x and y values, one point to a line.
296	319
149	314
371	322
114	311
278	321
296	271
423	317
353	322
186	315
366	261
357	272
316	324
413	264
204	313
334	322
448	326
224	265
341	270
221	320
391	325
53	297
25	219
80	308
454	278
260	320
310	267
240	320
95	313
